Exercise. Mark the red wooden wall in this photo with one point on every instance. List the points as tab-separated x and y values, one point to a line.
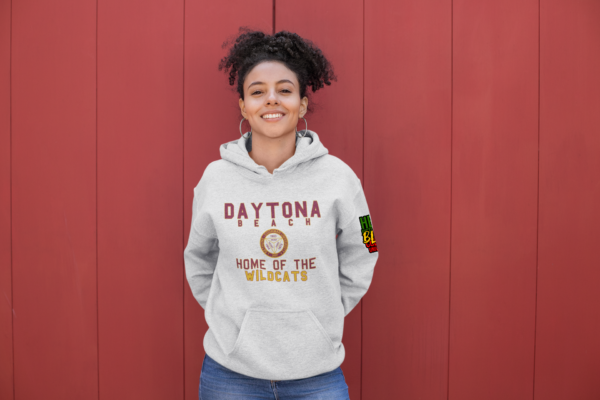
474	126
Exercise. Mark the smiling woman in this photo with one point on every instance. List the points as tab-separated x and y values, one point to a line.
273	74
277	278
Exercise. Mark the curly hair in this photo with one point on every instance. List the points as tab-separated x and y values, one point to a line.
300	55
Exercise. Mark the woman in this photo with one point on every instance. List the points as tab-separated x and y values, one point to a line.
263	258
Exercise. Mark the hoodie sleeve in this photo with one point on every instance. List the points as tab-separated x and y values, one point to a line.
202	250
357	250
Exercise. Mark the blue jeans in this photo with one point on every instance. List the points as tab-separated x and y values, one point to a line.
220	383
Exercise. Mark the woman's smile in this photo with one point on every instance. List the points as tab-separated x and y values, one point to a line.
273	117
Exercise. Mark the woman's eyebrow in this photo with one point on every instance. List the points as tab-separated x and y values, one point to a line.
262	83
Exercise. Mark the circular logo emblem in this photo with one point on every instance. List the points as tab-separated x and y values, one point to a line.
274	243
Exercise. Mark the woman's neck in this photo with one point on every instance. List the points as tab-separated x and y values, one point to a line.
272	152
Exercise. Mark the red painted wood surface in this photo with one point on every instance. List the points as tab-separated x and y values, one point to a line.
338	114
407	165
494	199
6	317
211	117
140	199
485	288
53	172
567	362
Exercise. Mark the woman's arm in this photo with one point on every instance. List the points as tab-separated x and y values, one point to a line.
202	251
357	250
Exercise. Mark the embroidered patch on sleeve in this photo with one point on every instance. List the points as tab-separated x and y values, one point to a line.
367	233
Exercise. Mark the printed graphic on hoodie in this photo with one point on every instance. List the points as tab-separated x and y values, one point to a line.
367	232
274	243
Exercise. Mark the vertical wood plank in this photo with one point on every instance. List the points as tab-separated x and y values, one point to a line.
211	118
6	322
494	199
140	203
407	173
337	29
568	327
54	199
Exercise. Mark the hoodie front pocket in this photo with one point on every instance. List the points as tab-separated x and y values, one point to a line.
276	340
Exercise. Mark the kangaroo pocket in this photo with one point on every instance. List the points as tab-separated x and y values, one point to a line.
282	342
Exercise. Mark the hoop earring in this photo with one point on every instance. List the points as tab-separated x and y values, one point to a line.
250	134
305	129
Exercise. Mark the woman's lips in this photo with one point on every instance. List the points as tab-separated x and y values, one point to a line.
274	119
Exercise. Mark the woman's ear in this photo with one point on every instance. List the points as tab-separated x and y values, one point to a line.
242	109
303	106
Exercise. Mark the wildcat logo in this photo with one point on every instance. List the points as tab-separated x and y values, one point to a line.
274	243
367	233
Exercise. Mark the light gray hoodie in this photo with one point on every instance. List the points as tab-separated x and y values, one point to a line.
264	262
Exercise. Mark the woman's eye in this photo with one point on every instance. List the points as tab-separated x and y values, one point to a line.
284	90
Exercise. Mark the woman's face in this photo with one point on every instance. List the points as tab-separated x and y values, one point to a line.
272	103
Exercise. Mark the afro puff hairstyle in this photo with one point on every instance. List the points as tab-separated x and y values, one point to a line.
300	55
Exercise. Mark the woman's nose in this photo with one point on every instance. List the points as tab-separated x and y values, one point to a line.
272	97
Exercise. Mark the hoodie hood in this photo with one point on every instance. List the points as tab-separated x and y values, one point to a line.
236	151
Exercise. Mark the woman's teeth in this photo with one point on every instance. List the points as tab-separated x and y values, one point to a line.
268	116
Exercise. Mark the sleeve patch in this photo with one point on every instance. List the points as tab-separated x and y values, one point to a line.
366	229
